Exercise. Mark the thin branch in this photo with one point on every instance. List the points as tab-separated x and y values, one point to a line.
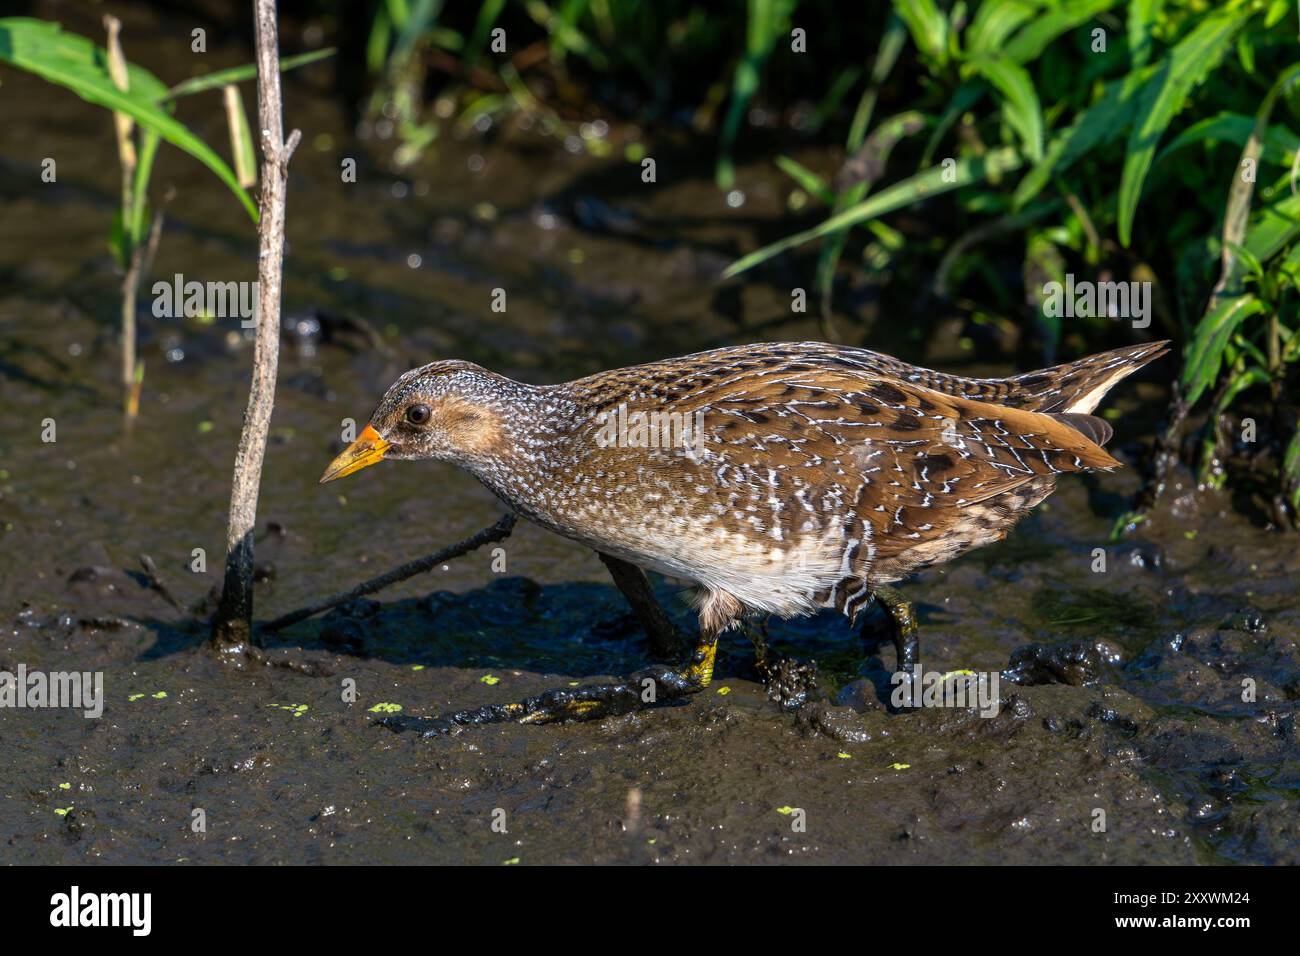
123	126
497	532
155	582
232	626
132	368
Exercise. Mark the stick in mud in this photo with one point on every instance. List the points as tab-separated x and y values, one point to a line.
155	582
123	126
233	623
497	532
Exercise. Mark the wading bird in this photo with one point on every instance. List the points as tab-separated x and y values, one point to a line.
778	478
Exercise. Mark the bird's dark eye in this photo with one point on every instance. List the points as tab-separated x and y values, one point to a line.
417	414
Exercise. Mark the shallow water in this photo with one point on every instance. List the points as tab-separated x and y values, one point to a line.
600	271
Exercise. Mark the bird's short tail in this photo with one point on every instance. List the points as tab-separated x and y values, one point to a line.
1076	388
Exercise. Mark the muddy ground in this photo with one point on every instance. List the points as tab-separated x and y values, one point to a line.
1129	743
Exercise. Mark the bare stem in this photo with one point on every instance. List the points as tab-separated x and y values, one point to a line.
132	371
232	625
123	126
496	532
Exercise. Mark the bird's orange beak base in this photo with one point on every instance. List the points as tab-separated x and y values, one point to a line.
367	450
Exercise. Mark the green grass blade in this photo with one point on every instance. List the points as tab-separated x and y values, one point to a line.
1235	128
565	37
78	64
1275	227
963	98
1163	97
928	26
381	34
1142	17
238	74
808	181
1103	122
1034	38
1205	352
149	141
923	185
1020	104
994	21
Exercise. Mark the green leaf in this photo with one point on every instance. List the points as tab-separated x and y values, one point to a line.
808	181
1142	17
1163	97
381	33
1250	348
1276	225
1020	104
149	141
1253	265
1276	11
1279	142
930	182
1248	379
1103	122
238	74
1246	53
1291	265
1033	39
963	98
1205	352
994	21
79	65
928	26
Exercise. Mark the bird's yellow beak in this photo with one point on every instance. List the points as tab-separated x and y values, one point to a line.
368	449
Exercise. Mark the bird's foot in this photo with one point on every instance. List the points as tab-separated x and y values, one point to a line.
790	683
903	626
646	688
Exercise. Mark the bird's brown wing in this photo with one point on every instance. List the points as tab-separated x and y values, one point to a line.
893	447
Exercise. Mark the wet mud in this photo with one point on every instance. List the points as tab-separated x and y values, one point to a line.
1147	711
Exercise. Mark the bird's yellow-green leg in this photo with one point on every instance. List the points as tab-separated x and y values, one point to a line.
645	688
756	631
666	641
700	670
902	615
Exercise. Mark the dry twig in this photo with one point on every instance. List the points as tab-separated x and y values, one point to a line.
497	532
232	625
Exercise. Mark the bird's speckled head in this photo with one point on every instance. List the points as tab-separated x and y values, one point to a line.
449	410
